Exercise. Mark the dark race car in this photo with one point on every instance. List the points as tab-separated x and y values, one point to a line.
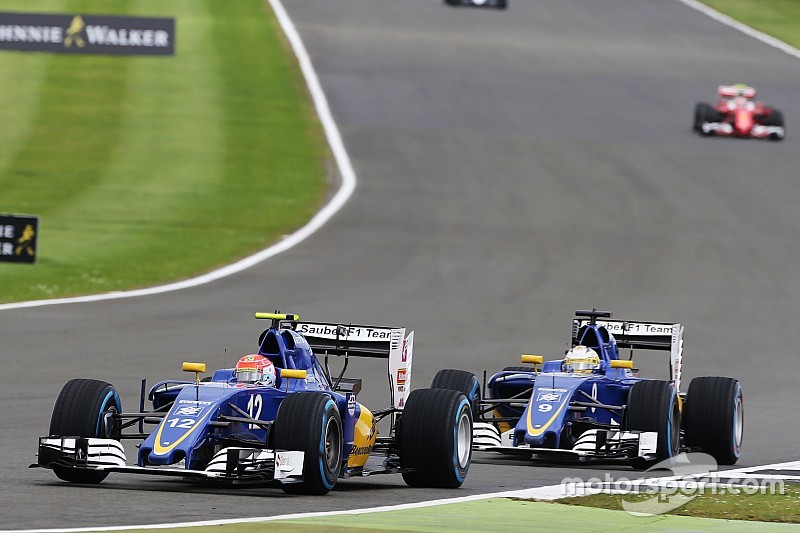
496	4
737	114
280	416
592	405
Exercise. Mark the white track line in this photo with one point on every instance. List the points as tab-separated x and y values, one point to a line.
747	30
550	492
543	493
344	193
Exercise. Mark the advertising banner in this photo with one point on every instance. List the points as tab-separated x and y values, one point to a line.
18	236
87	34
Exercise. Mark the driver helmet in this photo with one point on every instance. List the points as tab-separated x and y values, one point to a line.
255	368
581	359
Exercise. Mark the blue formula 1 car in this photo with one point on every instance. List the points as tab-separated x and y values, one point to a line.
593	405
278	417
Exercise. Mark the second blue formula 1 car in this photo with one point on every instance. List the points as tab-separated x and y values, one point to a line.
593	405
279	416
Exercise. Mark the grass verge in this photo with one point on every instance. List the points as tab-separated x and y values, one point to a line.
146	170
779	18
725	505
499	515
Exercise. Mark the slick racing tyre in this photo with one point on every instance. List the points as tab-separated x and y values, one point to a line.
462	381
701	111
653	406
775	119
85	408
435	438
310	422
704	113
714	417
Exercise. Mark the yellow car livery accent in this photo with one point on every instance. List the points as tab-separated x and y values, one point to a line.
621	363
193	367
161	450
364	435
536	432
294	374
277	316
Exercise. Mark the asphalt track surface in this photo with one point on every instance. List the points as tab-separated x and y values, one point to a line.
514	166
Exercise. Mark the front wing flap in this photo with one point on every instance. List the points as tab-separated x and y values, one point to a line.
232	464
600	444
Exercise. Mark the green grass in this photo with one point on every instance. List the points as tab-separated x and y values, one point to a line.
146	170
759	507
498	515
779	18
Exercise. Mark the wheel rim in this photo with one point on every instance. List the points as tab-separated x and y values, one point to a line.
333	445
738	422
463	443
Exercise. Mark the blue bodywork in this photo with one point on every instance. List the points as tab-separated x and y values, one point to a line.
188	432
563	405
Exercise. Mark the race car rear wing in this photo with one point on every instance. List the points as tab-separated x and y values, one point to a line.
365	341
642	335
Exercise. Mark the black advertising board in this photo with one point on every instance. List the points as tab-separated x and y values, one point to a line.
18	236
87	34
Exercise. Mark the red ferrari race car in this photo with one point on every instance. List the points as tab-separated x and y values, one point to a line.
737	114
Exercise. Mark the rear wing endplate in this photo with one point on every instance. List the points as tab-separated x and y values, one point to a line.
644	336
366	341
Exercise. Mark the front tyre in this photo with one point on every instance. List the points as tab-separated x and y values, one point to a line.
653	406
776	120
714	417
701	111
436	438
85	408
310	422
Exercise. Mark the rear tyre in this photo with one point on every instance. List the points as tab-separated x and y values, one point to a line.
435	438
85	408
462	381
653	406
714	417
310	422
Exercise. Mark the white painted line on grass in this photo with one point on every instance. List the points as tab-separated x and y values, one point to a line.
728	21
343	194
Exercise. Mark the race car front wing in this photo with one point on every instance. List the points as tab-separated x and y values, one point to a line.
600	444
232	464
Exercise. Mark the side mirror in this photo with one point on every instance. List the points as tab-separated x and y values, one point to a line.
619	363
532	359
197	368
291	373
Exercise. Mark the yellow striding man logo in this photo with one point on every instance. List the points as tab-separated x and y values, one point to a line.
74	33
25	242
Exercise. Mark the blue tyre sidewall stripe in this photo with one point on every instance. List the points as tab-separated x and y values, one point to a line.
456	467
112	394
669	423
322	466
